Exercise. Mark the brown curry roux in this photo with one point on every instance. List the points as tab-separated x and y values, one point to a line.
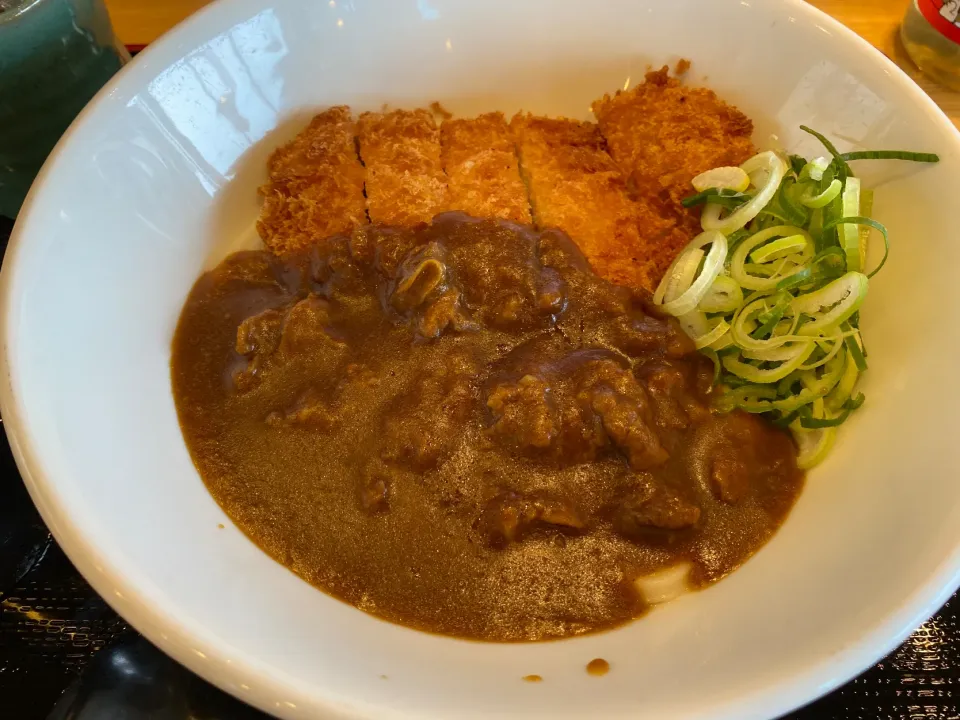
460	428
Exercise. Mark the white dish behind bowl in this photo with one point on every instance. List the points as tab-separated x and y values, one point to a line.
157	180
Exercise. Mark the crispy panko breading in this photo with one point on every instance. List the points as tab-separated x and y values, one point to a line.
405	180
316	185
576	186
615	187
483	178
663	134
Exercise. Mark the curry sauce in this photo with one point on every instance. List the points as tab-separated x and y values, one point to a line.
459	427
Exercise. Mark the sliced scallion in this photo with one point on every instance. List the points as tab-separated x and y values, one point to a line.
779	314
822	199
843	170
869	222
891	155
774	169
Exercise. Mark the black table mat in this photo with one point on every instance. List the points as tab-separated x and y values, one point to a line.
52	625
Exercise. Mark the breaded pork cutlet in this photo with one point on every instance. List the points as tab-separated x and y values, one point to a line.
316	185
663	134
574	185
483	178
405	180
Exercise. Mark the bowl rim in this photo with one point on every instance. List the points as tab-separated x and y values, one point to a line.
211	656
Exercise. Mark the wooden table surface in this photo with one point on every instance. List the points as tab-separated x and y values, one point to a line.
139	22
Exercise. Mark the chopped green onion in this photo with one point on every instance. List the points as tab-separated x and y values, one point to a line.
694	324
722	178
854	403
750	281
813	445
814	169
807	275
849	235
735	238
866	209
815	226
724	296
822	199
853	347
891	155
712	336
783	326
837	397
860	220
777	249
843	170
697	198
768	375
795	212
727	198
832	358
775	169
772	213
796	280
809	422
829	376
770	320
760	404
797	164
832	304
678	292
833	209
731	202
737	393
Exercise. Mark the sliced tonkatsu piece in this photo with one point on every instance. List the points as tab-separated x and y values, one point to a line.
483	178
663	134
316	185
405	181
574	185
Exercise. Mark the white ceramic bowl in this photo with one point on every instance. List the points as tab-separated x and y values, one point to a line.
157	179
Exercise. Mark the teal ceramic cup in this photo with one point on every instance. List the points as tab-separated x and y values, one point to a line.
54	56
